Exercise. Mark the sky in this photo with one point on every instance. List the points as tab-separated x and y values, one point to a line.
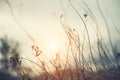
41	19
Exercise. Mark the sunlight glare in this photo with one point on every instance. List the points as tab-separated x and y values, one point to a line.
53	47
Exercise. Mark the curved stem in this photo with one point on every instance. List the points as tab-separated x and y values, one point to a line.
87	34
17	22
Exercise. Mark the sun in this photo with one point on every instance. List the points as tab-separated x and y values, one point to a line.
53	46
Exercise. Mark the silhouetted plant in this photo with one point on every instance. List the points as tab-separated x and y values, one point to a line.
8	48
80	69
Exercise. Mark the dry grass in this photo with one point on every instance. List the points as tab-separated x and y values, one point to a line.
75	66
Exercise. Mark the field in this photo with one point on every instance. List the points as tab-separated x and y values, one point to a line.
87	52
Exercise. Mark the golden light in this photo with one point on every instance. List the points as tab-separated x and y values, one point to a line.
53	46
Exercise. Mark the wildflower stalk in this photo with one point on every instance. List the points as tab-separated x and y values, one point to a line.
87	34
67	31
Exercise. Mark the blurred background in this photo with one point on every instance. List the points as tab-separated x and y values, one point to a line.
37	23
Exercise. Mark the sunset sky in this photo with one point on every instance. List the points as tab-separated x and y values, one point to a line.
41	19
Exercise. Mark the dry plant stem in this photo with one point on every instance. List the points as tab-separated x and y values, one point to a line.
79	52
118	33
73	54
31	62
23	73
99	52
38	66
107	51
99	43
65	63
87	35
83	58
78	48
49	75
109	35
113	22
83	63
31	69
106	23
70	44
70	38
104	52
75	63
98	36
90	13
17	22
57	69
